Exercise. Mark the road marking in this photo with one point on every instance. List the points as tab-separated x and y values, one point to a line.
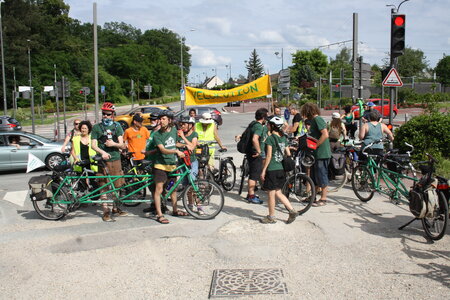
17	198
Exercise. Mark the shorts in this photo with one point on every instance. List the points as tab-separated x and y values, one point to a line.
255	165
274	180
114	168
319	172
160	175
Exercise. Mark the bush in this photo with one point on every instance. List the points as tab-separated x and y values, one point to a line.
20	115
428	133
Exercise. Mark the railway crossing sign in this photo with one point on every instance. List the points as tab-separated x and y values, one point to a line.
392	79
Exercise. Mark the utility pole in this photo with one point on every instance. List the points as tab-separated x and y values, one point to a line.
63	87
355	53
3	63
31	88
57	105
95	62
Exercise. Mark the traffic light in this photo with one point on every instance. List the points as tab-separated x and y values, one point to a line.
390	126
397	35
81	92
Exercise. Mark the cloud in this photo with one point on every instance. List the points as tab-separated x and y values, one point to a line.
221	26
267	37
302	36
202	57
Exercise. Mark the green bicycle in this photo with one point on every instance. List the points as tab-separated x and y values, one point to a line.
371	176
57	198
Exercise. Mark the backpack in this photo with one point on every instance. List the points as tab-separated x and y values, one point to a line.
245	143
337	164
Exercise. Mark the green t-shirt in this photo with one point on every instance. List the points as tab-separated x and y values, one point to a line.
101	133
168	140
278	143
262	132
150	146
324	150
190	138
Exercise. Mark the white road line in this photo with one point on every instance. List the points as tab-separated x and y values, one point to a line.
17	198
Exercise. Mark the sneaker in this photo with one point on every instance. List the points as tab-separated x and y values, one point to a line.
107	217
200	210
268	220
292	216
254	199
118	212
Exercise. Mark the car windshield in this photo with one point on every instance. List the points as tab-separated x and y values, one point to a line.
38	137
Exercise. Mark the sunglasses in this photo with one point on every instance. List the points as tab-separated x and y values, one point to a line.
106	114
76	124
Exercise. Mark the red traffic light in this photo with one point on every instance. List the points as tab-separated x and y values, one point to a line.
337	85
81	92
390	127
399	20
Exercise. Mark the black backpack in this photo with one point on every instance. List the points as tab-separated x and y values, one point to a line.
245	143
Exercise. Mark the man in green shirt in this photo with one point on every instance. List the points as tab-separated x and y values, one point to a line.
107	141
319	131
165	161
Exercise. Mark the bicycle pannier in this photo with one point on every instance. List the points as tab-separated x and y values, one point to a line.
288	164
40	188
337	164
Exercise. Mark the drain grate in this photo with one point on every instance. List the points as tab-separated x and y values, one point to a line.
241	282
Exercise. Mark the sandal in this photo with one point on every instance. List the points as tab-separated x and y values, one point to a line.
292	216
162	220
319	203
180	214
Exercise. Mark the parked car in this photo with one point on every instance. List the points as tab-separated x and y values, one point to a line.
8	123
235	103
16	145
199	110
377	102
147	110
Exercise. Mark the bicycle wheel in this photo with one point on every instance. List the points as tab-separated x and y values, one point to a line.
228	174
335	182
362	183
435	223
206	203
301	192
51	209
244	173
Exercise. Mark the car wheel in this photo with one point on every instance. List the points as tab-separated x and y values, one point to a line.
53	160
124	125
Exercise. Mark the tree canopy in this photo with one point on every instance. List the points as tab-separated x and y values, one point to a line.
443	70
54	39
254	66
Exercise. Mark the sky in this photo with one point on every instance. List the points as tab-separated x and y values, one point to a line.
224	33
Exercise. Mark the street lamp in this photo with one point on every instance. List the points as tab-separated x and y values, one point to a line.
282	58
31	87
229	77
215	74
3	61
181	69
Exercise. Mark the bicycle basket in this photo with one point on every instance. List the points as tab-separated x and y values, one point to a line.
40	187
202	153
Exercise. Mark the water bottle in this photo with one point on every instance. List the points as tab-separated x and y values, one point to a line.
109	134
170	184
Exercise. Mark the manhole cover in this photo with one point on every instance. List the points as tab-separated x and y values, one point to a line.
241	282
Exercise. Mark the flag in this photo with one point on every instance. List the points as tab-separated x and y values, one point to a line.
33	163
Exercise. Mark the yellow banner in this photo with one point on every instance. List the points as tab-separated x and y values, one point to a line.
258	88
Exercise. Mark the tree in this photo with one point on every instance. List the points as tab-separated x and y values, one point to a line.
342	61
254	66
443	70
307	66
412	63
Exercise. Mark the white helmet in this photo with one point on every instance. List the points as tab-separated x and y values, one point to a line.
277	122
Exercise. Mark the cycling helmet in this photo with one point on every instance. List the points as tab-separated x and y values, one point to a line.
154	116
277	122
184	119
108	106
165	113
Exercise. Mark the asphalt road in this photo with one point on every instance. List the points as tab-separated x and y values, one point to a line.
344	250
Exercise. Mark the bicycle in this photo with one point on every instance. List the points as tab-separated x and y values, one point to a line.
57	198
350	158
366	180
225	175
299	187
245	169
130	167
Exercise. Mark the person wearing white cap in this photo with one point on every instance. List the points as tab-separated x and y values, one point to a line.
336	131
207	131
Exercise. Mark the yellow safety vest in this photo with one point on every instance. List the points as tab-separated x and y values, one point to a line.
76	146
206	136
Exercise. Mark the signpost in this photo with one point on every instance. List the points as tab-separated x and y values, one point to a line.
284	82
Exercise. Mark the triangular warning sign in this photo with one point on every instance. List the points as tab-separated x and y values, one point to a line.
392	79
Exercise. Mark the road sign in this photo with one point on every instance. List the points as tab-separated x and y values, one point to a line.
285	73
102	89
285	92
148	88
284	85
392	79
86	90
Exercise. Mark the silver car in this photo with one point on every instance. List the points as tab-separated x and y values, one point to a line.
8	123
16	145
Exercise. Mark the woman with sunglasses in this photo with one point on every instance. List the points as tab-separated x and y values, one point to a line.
74	132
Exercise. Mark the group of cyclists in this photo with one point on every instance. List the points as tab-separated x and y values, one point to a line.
161	145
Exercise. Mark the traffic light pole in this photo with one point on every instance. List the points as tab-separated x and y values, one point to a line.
392	65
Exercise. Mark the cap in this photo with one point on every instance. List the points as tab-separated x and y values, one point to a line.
370	104
138	118
206	119
335	115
